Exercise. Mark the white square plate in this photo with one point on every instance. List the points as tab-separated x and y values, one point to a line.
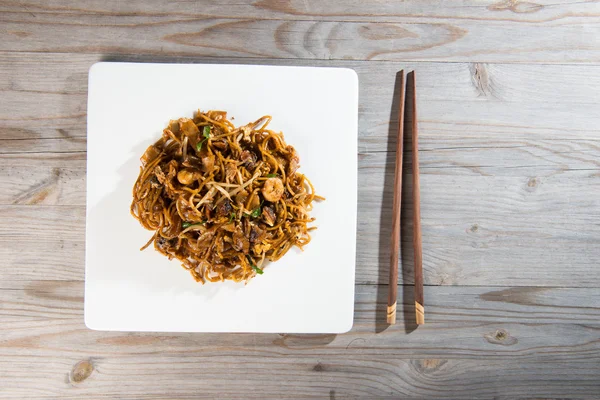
305	292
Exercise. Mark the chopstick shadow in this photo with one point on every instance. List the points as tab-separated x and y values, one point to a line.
194	59
405	303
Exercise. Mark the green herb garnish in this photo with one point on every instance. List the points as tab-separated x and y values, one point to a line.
206	134
231	216
199	145
254	267
258	270
272	176
257	211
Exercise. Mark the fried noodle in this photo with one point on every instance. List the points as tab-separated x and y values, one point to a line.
223	200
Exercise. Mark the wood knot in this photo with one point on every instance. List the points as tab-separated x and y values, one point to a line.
318	368
516	6
428	365
20	34
500	337
474	228
481	79
302	340
532	183
81	371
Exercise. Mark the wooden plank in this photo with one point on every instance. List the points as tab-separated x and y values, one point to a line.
527	108
40	178
281	376
45	319
500	33
485	228
480	226
532	161
42	242
352	10
536	157
38	300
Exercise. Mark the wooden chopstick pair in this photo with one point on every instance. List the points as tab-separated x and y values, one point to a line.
397	208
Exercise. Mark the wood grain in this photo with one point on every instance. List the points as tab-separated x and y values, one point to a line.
520	169
351	10
462	316
44	319
39	178
510	186
489	31
539	115
477	229
290	375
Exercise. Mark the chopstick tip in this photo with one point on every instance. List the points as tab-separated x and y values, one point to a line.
420	313
391	314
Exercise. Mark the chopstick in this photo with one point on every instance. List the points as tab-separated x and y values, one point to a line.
396	209
417	244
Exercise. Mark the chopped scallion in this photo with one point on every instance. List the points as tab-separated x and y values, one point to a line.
254	267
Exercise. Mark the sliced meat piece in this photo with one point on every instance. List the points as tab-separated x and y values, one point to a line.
190	214
208	163
268	215
220	246
192	161
257	234
224	208
230	172
240	242
208	213
155	183
293	161
165	246
248	159
160	175
219	144
170	188
205	240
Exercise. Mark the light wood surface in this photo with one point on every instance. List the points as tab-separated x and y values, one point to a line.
490	30
509	129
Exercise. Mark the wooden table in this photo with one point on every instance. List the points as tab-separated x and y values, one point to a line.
510	162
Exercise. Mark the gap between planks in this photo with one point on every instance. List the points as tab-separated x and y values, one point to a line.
175	58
